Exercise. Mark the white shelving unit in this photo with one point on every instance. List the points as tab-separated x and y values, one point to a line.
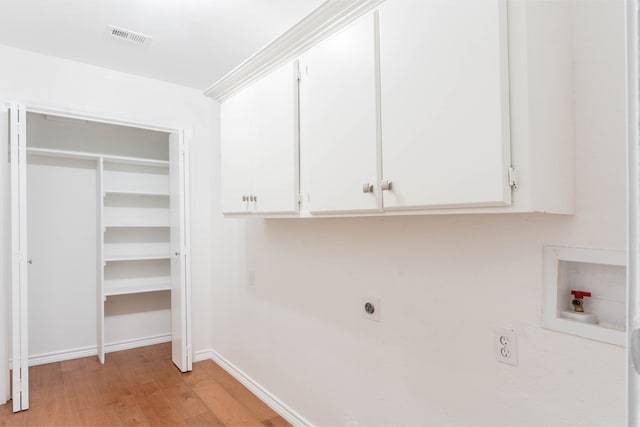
133	226
136	220
136	276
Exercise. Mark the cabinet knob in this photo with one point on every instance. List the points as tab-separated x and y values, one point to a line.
385	185
30	261
367	188
253	198
244	198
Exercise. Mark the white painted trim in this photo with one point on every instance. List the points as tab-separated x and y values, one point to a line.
201	355
633	216
5	269
93	117
76	353
137	342
59	356
262	393
327	19
99	118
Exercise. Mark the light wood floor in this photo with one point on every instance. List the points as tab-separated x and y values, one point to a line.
138	387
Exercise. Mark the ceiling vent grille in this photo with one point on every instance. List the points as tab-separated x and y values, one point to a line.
132	36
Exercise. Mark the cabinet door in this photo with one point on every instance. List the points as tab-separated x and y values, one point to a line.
338	121
236	146
275	148
444	97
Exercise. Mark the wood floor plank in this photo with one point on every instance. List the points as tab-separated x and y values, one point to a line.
206	419
184	399
276	421
126	412
205	371
156	409
241	393
224	406
139	387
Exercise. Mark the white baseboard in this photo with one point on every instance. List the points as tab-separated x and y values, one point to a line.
201	355
76	353
262	393
136	342
59	356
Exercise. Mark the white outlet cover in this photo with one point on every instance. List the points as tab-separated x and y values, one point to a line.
506	346
375	301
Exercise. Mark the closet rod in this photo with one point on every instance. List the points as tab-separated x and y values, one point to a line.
95	156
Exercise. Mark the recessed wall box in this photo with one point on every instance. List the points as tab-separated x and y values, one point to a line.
600	273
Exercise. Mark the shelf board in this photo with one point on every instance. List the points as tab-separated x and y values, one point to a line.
136	286
134	193
117	258
95	156
136	161
136	226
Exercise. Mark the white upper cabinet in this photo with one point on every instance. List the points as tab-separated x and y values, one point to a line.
338	122
259	146
418	107
445	103
237	143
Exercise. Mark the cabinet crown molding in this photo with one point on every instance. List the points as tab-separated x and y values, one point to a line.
329	18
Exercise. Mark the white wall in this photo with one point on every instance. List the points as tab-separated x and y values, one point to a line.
5	263
61	219
56	83
445	283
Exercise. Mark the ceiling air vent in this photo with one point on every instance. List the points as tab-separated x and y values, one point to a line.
132	36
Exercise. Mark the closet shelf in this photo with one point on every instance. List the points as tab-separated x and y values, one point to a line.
95	156
62	153
134	193
136	226
133	257
136	286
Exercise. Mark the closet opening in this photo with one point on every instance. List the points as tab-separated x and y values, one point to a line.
105	232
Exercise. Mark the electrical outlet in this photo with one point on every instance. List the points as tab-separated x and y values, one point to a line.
370	308
251	277
506	345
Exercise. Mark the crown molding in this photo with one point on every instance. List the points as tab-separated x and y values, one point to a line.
327	19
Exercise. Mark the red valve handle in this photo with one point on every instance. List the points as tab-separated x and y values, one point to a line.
580	294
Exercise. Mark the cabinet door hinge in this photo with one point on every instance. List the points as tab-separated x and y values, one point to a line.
299	198
513	178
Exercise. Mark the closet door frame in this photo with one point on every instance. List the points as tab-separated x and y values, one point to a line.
633	214
5	251
18	228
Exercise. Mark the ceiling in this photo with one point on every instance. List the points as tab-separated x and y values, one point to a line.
195	42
